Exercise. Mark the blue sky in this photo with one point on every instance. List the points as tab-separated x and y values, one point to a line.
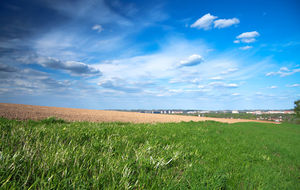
175	54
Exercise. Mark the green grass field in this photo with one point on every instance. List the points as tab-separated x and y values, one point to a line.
53	154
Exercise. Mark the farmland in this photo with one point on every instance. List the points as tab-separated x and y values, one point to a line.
55	154
24	112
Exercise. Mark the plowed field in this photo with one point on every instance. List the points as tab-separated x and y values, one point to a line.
24	112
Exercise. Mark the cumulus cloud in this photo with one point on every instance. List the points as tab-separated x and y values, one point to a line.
192	60
97	27
283	72
223	23
205	22
247	37
75	68
246	47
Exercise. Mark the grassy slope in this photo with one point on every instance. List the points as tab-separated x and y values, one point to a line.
197	155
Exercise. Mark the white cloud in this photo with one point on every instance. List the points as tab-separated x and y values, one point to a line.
68	45
192	60
247	37
229	71
30	81
223	23
119	85
97	27
246	47
222	84
205	22
232	85
284	69
235	94
216	78
248	40
252	34
283	72
273	87
74	68
293	85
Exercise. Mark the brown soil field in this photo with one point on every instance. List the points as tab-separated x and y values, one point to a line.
25	112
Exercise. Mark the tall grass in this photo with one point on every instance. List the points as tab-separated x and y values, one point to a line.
53	154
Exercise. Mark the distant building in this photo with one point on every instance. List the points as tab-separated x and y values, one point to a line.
255	112
204	111
274	112
177	112
289	112
235	111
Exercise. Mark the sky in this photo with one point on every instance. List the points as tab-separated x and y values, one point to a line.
133	54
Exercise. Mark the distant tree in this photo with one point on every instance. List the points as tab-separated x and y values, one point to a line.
297	108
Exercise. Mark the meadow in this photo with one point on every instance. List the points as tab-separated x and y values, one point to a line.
55	154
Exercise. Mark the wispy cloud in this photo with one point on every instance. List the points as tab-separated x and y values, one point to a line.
97	27
216	78
30	81
98	11
178	65
273	87
222	84
293	85
229	71
246	47
283	72
7	68
118	85
73	67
